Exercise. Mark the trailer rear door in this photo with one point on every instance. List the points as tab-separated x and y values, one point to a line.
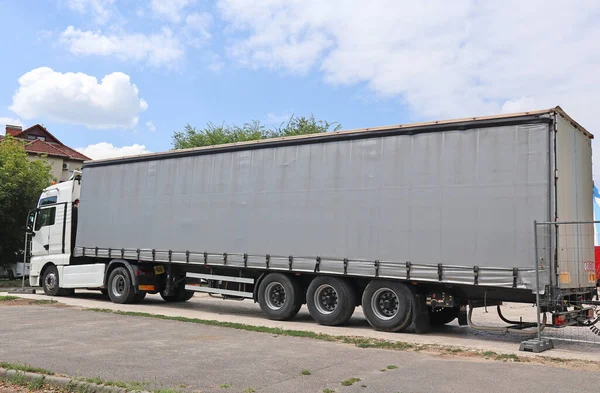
575	268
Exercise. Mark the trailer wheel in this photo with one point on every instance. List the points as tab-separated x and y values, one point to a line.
50	281
442	316
120	288
331	301
387	305
279	296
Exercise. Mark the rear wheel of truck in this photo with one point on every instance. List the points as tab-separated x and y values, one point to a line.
120	287
180	295
331	301
442	316
387	305
279	296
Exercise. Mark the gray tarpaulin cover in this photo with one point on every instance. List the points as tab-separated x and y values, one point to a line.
460	198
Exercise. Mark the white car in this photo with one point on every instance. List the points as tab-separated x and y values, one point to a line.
14	270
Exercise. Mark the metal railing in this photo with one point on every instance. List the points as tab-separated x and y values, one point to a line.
566	280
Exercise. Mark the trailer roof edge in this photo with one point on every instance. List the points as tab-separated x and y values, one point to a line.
411	128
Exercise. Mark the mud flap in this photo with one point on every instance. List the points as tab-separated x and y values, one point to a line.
420	315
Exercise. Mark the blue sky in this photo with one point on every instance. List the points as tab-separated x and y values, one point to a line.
103	75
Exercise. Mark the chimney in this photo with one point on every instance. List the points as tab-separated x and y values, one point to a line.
13	130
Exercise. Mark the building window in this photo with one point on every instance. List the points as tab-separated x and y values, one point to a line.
34	137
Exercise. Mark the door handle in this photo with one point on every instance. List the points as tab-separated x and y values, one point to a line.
46	246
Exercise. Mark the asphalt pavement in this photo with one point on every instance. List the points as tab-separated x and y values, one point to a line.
199	358
203	306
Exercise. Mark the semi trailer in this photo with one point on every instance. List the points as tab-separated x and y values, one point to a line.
417	223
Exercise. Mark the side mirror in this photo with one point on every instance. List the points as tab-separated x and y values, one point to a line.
31	221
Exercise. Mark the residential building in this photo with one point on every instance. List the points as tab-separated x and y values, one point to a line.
39	142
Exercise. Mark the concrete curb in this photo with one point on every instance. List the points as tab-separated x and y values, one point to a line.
17	291
66	383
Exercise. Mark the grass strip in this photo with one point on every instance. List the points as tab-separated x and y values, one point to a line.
360	342
25	368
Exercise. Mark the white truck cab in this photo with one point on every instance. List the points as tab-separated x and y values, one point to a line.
52	227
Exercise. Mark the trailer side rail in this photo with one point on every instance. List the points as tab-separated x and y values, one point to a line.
522	278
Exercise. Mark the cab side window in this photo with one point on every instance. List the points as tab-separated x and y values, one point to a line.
45	217
48	200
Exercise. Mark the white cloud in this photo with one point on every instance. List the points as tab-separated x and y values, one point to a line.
99	9
159	49
198	26
441	59
108	150
170	10
522	104
9	120
444	59
77	98
151	127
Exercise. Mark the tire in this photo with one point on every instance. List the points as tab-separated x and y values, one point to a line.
442	316
180	296
50	281
387	305
280	296
331	301
120	288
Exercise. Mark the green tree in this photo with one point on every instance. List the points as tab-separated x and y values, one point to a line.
21	182
217	135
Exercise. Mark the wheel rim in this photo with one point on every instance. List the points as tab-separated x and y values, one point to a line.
50	281
118	285
275	296
385	304
325	299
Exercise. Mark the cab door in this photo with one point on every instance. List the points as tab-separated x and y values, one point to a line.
59	232
44	221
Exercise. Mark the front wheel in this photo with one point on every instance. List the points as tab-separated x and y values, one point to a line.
50	281
387	305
